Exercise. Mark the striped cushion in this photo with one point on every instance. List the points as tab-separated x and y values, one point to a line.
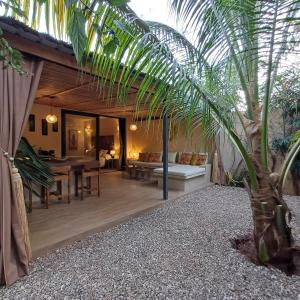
199	159
185	158
155	157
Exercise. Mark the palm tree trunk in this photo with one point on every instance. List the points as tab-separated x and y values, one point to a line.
220	160
272	234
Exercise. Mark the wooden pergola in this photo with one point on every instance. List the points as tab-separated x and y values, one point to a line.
66	85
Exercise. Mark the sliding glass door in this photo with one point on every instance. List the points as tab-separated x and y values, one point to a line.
86	135
79	135
111	142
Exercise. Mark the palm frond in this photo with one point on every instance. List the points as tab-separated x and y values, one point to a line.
34	171
185	52
295	149
254	35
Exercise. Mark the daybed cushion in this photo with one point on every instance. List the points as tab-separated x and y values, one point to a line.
144	164
182	171
151	165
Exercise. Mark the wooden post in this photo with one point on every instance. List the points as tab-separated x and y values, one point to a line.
165	155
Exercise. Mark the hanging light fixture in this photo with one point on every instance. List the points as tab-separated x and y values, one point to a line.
133	127
51	118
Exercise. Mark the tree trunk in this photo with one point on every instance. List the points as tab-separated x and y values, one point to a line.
272	234
220	161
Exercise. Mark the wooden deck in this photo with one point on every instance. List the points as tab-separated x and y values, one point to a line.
121	199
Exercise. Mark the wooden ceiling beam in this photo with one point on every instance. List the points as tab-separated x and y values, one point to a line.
64	91
48	53
97	104
117	108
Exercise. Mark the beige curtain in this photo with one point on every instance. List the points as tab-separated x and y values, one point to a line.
17	93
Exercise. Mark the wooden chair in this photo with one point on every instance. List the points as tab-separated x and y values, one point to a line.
89	170
61	174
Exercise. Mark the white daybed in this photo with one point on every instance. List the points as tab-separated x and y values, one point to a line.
185	177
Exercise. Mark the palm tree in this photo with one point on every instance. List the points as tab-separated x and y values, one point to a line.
229	63
239	46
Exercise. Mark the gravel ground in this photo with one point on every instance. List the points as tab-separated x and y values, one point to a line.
180	251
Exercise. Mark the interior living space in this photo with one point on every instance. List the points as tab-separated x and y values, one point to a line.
107	163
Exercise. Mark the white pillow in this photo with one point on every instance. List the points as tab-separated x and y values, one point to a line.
107	156
172	157
102	152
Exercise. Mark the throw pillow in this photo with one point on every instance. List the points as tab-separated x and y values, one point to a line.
107	156
144	156
194	158
185	158
178	156
172	157
155	157
200	160
102	153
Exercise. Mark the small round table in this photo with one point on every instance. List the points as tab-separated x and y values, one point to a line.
143	172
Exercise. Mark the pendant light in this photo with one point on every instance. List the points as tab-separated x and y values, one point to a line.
51	118
133	127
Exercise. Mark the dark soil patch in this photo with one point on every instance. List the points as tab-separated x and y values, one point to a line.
245	245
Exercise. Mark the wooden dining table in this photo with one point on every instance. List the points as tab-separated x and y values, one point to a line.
75	164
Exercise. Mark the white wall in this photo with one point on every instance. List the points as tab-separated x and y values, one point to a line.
231	157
